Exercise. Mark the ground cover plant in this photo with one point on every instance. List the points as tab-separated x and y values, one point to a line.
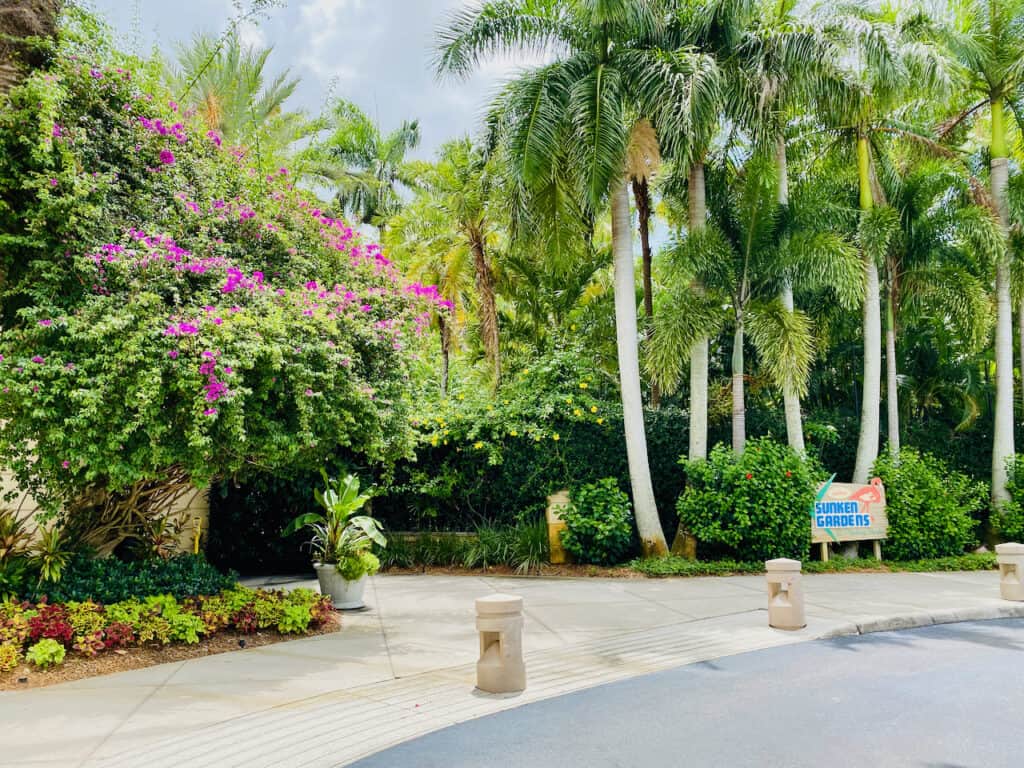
46	633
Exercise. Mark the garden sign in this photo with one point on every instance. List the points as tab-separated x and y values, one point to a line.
849	512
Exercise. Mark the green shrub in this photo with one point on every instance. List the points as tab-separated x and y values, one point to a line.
110	580
1008	522
930	507
46	653
755	506
354	567
599	524
294	619
680	566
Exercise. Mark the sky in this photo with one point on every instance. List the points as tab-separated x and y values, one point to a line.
375	53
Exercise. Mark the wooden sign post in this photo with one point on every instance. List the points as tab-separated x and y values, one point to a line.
849	512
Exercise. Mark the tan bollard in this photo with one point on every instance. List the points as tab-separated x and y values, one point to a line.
785	594
499	619
1010	557
556	503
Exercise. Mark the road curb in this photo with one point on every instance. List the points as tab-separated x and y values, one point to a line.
926	619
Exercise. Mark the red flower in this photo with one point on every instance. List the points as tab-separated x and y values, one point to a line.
788	473
749	476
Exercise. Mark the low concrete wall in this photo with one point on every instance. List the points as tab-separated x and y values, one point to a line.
195	504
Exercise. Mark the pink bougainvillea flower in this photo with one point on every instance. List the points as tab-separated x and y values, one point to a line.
65	463
58	130
53	182
309	393
95	74
173	354
46	323
210	412
38	360
214	137
166	157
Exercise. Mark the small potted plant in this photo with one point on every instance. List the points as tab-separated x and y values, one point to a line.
341	540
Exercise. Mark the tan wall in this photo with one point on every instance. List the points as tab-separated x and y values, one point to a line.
196	504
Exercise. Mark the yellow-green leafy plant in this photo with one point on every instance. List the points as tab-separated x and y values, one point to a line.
46	653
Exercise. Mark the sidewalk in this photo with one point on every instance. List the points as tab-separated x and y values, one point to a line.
406	666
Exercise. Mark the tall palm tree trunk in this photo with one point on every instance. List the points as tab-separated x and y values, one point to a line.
642	195
697	209
1002	432
652	538
867	441
892	403
739	411
488	305
790	397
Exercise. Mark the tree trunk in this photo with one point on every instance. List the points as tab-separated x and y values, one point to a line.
642	195
867	441
892	402
739	411
652	538
1002	432
699	350
790	397
446	348
488	305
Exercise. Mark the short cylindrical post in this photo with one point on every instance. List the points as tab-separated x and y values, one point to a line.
1010	557
556	503
499	620
785	594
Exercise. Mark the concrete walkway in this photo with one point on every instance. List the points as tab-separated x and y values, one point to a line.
405	667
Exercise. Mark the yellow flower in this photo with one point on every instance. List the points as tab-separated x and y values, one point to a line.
600	421
505	402
447	431
514	433
593	409
446	442
478	445
583	385
433	441
572	327
577	412
555	437
568	400
536	438
462	397
525	371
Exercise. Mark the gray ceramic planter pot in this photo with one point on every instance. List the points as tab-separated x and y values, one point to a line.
345	595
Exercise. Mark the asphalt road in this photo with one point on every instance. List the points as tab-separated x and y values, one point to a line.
949	696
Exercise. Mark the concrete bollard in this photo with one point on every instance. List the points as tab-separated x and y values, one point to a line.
785	594
499	619
1010	557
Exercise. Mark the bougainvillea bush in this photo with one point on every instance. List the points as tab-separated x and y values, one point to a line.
173	312
42	632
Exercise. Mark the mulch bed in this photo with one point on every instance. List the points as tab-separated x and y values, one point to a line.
76	666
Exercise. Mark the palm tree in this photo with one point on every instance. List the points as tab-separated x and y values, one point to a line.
431	250
227	83
367	167
586	103
24	25
932	265
987	39
887	66
748	249
457	190
787	65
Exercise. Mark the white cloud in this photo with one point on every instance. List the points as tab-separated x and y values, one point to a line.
322	19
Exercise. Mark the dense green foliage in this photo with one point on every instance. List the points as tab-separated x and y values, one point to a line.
523	547
681	566
754	506
173	312
598	528
932	510
1008	520
108	580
